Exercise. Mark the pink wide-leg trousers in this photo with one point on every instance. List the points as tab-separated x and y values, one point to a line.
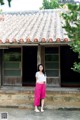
39	93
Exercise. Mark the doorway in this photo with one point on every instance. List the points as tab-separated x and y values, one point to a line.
69	78
29	65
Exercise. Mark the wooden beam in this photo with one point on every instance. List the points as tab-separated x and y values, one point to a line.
43	55
0	66
39	55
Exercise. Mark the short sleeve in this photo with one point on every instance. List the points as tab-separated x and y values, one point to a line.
36	75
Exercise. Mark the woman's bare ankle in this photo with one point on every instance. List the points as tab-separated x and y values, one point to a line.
36	109
42	110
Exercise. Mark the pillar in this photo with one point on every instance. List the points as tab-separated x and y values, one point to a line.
0	66
39	55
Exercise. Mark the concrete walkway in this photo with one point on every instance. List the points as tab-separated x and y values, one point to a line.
23	114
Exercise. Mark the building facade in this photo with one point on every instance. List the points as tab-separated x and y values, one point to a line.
27	39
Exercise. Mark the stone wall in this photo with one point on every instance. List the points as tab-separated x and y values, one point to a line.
63	100
54	99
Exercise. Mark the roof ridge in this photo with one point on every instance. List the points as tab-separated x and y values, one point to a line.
32	11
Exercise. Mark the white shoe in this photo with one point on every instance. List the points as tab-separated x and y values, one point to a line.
36	110
42	110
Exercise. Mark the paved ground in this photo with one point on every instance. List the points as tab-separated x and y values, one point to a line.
23	114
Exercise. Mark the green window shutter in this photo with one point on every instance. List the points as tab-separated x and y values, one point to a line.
52	61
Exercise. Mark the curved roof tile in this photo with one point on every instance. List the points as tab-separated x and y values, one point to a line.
36	26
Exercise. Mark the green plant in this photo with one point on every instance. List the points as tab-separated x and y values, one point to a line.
72	27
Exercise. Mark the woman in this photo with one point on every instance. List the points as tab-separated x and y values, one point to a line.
40	89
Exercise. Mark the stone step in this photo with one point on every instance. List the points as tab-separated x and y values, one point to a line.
54	99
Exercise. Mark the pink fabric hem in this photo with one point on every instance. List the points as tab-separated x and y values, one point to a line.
39	93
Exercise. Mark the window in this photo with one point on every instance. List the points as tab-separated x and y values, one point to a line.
12	62
12	66
52	61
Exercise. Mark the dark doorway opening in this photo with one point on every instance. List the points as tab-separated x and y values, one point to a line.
69	78
29	65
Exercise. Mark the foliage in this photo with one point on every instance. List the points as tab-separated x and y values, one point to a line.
72	26
2	2
50	4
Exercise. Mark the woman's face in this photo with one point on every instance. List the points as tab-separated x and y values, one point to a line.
40	67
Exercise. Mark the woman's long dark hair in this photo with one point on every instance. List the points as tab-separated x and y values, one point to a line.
43	68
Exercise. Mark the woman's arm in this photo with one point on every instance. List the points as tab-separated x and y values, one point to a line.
36	79
36	76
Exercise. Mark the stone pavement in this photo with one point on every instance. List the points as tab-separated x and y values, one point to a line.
24	114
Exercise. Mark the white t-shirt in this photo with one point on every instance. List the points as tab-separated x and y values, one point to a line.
40	77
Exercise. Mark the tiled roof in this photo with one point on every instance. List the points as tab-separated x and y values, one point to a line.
32	27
